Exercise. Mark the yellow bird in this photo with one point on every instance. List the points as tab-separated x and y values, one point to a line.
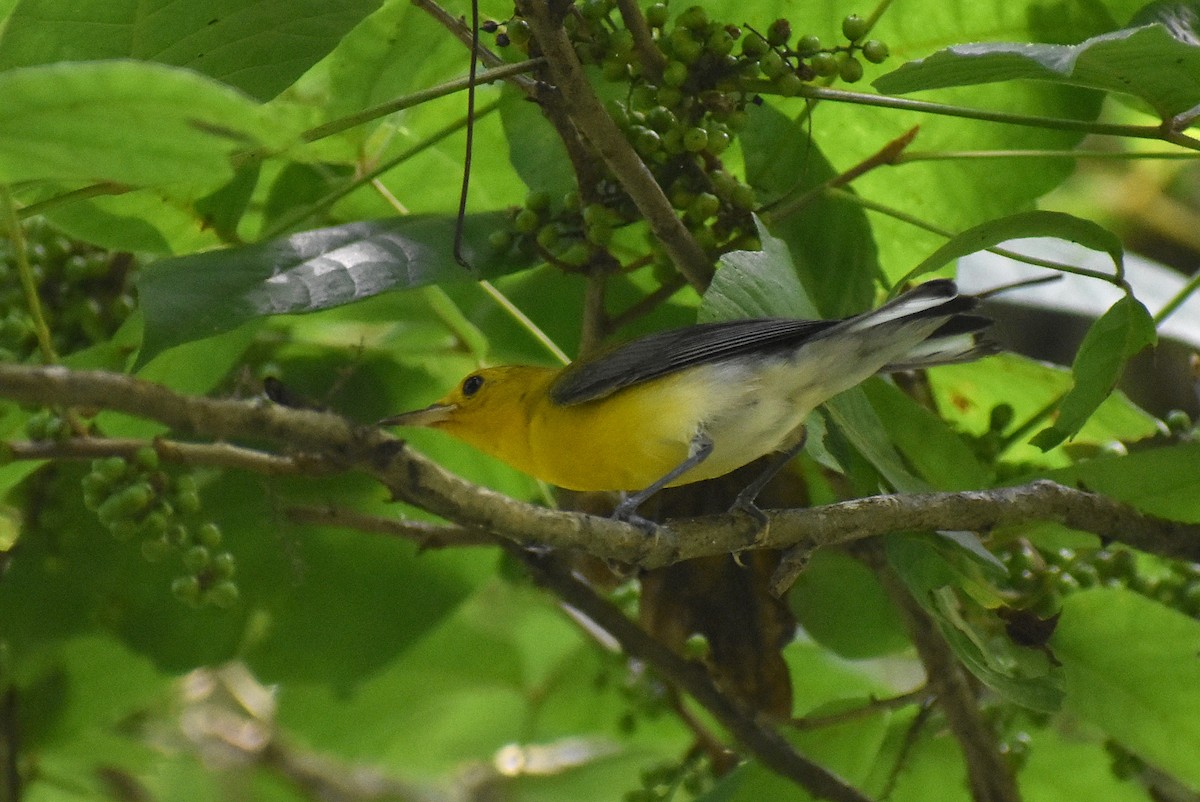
694	403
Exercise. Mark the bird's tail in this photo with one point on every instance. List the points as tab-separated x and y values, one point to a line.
961	338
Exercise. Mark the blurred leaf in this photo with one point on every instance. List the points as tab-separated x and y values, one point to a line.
967	394
1126	661
1019	226
130	122
259	47
841	604
1151	62
195	296
1123	331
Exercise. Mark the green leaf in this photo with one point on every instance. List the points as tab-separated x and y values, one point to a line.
132	123
841	604
259	47
937	453
535	149
756	284
829	238
1018	226
1120	333
1160	481
1150	62
1130	668
196	296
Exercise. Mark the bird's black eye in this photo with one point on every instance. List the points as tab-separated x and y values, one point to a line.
471	385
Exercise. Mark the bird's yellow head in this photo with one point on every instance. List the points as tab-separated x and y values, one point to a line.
489	409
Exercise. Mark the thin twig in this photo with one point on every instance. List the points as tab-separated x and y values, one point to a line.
212	455
765	744
426	535
651	58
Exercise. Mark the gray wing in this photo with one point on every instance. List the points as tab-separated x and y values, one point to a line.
668	351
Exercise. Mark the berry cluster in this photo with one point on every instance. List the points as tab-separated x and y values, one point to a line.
1044	577
664	782
85	292
682	108
138	499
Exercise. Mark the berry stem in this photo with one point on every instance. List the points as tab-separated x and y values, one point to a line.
652	59
12	224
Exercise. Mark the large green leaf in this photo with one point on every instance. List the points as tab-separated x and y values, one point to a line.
260	46
1153	62
1122	332
130	122
829	238
1130	667
1019	226
196	296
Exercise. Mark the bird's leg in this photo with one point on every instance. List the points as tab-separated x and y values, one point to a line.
701	446
745	499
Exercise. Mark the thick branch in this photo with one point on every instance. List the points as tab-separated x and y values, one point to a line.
336	442
593	121
766	744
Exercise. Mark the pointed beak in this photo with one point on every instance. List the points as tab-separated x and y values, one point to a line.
431	415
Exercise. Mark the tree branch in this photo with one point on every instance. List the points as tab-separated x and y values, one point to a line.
328	441
767	745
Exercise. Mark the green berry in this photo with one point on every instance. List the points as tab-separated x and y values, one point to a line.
754	46
646	140
620	44
186	589
875	51
718	140
854	27
196	559
187	502
146	458
675	73
684	46
224	594
694	18
209	535
154	524
703	207
500	240
824	64
614	68
224	565
720	43
547	236
661	119
788	84
695	139
657	14
850	70
779	33
772	65
110	468
527	221
670	96
808	45
1178	421
178	536
518	33
743	198
599	233
125	503
572	201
